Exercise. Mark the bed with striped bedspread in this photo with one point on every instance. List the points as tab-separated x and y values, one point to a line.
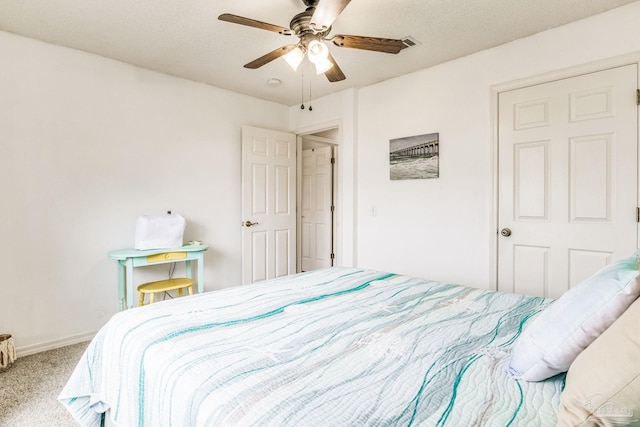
335	347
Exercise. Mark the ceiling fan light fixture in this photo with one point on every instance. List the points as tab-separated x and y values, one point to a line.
323	66
294	58
317	51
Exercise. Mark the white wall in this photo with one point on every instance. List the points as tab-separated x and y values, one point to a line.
441	228
88	144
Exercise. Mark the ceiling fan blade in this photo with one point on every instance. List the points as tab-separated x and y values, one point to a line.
235	19
369	43
274	54
326	12
334	74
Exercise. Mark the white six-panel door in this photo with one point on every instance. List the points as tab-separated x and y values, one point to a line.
268	204
316	215
567	180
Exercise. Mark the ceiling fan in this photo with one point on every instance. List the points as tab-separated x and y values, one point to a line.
312	27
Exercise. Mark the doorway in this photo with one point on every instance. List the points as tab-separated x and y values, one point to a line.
273	196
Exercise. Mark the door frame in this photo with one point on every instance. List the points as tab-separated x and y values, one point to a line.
337	188
591	67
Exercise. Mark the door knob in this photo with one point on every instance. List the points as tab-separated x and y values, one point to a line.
249	223
505	232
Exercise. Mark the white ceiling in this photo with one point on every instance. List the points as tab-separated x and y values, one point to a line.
185	38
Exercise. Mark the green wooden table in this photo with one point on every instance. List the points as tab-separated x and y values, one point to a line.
128	259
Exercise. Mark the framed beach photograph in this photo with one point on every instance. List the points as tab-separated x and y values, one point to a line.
414	157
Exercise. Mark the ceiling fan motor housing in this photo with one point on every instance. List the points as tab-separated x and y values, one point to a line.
301	25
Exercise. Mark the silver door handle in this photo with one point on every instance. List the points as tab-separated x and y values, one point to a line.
249	223
505	232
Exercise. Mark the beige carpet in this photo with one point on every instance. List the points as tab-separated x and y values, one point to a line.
29	388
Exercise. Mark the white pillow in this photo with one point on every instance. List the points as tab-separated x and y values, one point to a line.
554	339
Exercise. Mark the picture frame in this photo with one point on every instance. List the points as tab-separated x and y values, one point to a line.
415	157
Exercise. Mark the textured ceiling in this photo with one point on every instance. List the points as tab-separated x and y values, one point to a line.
185	38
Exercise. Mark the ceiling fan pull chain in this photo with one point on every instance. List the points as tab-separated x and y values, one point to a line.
310	107
302	93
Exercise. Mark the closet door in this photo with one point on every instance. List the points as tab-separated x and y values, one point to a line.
567	180
316	217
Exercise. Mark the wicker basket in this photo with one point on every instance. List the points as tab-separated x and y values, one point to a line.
7	351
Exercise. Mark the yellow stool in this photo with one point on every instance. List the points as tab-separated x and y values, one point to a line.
152	288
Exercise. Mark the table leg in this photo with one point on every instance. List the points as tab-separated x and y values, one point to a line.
187	269
200	272
121	282
129	282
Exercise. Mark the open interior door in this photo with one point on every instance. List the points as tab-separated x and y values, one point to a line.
268	204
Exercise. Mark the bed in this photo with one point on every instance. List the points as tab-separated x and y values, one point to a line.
339	347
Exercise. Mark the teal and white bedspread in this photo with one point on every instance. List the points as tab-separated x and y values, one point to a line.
336	347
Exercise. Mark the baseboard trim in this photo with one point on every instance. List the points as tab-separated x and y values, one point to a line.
51	345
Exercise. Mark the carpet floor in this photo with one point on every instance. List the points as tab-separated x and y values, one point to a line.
29	389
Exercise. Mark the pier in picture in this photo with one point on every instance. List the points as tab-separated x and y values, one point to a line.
414	157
